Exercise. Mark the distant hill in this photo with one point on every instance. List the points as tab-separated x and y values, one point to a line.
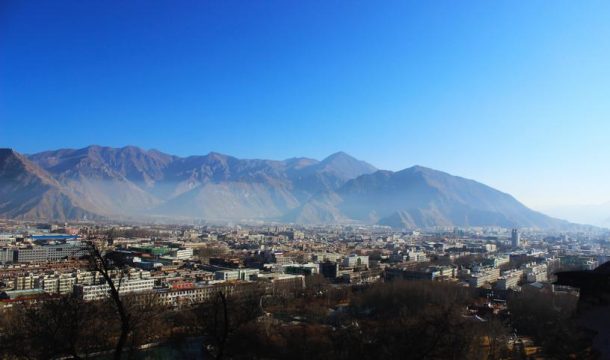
103	182
594	214
419	197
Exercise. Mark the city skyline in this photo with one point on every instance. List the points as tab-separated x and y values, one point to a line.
504	94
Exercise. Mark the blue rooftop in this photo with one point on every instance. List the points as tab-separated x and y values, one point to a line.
54	237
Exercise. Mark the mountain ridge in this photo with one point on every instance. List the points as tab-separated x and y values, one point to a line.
439	199
106	182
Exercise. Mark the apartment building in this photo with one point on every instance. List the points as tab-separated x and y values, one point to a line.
483	276
125	286
237	274
48	253
509	279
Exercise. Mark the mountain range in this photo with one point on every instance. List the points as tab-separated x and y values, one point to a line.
99	182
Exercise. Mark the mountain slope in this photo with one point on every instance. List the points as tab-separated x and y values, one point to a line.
113	181
28	192
421	197
231	201
130	162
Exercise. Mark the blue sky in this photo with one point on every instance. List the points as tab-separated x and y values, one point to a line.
515	94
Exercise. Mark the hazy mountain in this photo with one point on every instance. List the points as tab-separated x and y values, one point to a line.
132	181
594	214
114	181
28	192
186	173
230	200
327	174
108	182
130	162
342	166
217	186
420	197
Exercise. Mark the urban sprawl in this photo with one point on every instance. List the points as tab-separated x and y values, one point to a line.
183	266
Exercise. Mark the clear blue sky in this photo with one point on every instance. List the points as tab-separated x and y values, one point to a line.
515	94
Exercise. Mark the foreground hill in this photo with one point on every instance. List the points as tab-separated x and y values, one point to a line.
104	182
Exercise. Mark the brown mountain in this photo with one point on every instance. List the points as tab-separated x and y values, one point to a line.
28	192
108	182
134	182
114	181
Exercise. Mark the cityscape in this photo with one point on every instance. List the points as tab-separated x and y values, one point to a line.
270	180
294	280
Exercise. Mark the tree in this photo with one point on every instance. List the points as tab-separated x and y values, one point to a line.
62	327
549	319
316	285
101	261
218	319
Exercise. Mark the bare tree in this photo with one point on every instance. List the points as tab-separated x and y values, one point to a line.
222	336
220	318
101	262
64	327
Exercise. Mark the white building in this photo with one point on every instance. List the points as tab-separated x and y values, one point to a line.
182	254
6	255
281	259
415	255
46	253
490	247
483	276
356	261
125	286
509	279
237	274
58	284
536	273
500	260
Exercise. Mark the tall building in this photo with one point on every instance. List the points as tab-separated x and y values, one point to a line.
515	238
